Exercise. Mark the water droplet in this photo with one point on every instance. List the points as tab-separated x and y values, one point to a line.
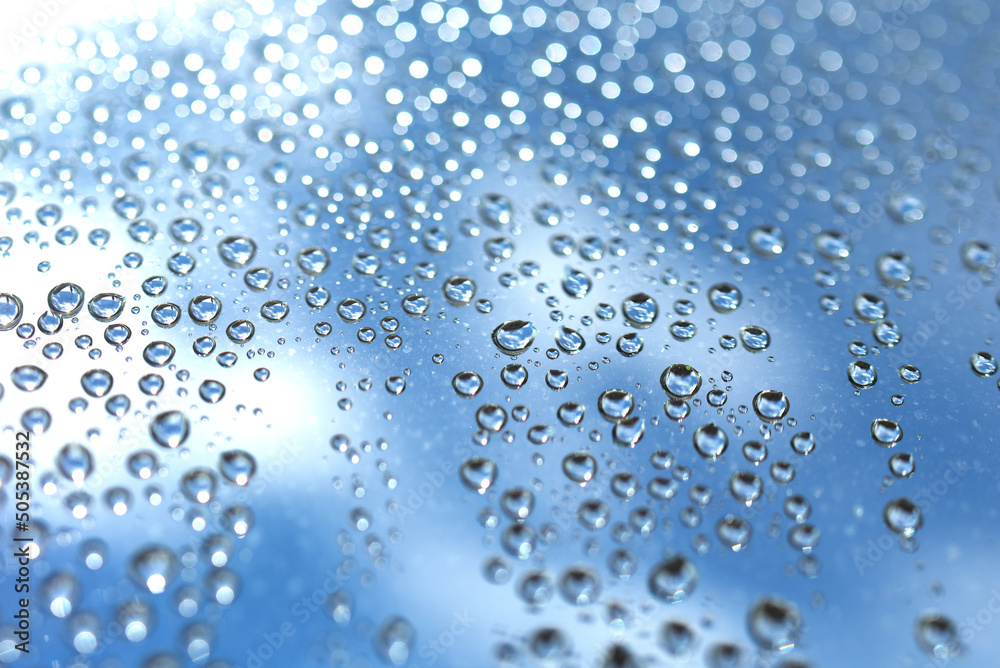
734	532
680	381
895	267
803	443
903	516
629	431
97	382
416	305
237	251
861	374
166	315
767	240
746	487
185	230
832	244
937	635
580	586
28	377
710	441
237	466
204	309
258	279
640	310
754	339
887	333
153	568
106	306
724	297
75	462
274	310
240	331
158	353
313	261
467	384
870	308
886	433
517	503
154	286
66	299
569	340
983	364
770	405
11	310
576	283
514	376
673	579
629	344
169	429
774	624
678	639
906	208
459	290
497	210
479	473
536	588
212	391
615	405
579	467
979	255
902	464
198	485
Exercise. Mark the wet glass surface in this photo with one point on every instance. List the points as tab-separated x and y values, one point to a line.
563	333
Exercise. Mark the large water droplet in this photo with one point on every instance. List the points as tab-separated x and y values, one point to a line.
903	516
66	299
673	580
886	432
640	310
106	306
153	568
770	405
710	441
204	309
680	380
237	466
237	251
11	310
479	473
514	336
169	429
774	624
240	331
459	290
28	377
724	297
937	635
467	384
